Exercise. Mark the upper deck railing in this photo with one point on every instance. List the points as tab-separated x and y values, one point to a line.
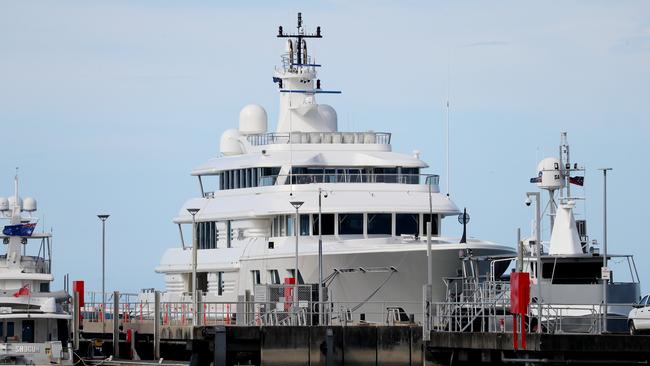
380	138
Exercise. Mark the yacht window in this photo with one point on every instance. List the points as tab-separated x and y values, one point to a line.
206	233
44	287
10	329
219	283
327	225
386	175
291	274
407	224
290	220
254	177
350	224
202	281
380	224
434	224
274	276
256	277
410	175
304	225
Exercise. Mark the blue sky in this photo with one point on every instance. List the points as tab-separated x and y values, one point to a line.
107	106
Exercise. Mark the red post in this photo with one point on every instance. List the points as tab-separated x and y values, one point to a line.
519	301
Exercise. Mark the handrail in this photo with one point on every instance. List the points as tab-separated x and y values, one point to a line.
368	137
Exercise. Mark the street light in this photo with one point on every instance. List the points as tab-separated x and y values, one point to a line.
296	205
193	212
104	217
605	269
320	256
538	243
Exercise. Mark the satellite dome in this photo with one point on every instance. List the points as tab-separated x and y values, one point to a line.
12	202
328	115
549	174
4	204
29	204
252	120
229	143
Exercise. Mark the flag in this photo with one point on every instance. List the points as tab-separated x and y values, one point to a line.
19	229
23	291
579	181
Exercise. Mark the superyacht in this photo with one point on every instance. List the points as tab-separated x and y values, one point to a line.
33	319
307	181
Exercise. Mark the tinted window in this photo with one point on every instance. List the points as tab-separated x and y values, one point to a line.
380	224
434	224
327	225
407	224
304	225
350	224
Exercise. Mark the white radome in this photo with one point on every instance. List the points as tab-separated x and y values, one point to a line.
29	204
252	120
330	119
4	204
12	202
229	143
549	169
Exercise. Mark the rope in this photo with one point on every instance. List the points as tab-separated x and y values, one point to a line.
374	292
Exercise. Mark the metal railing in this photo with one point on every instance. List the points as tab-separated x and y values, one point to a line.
334	177
271	138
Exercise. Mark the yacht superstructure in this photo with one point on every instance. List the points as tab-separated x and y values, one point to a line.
368	204
33	319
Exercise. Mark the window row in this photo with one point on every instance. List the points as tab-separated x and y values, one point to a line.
273	276
393	224
247	178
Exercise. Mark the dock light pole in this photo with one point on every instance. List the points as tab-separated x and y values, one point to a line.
104	217
320	257
296	205
193	212
538	242
605	279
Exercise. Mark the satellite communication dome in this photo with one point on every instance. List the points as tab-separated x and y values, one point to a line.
12	201
29	204
4	204
229	143
549	174
330	119
252	120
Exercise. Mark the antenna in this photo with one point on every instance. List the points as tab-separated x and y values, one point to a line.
300	36
447	144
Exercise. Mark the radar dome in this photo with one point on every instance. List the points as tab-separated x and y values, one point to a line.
4	204
329	118
12	202
252	120
29	204
549	174
229	143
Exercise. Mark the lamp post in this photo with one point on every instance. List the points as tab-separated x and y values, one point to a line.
538	244
193	212
320	257
103	218
605	279
296	205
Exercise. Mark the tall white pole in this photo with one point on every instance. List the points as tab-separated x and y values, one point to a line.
193	212
605	280
447	152
104	218
538	243
296	228
320	259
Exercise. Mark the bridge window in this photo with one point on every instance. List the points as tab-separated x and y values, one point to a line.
274	277
380	224
434	224
206	234
351	224
407	224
